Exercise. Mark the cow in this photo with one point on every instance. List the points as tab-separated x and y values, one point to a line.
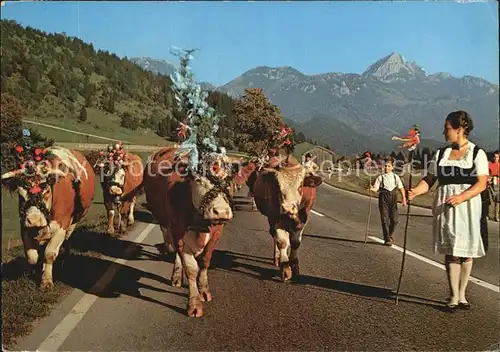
118	181
285	195
192	210
54	195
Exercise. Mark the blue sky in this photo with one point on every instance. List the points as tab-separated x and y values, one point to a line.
313	37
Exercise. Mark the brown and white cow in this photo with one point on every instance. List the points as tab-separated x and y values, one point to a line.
285	195
117	181
52	200
191	210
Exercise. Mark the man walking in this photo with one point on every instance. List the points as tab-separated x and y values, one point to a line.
387	185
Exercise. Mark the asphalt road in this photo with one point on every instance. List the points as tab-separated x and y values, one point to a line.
344	299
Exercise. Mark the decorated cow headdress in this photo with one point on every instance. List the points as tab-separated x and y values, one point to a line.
112	157
33	171
202	121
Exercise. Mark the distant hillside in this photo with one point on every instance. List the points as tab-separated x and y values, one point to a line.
64	81
362	111
162	67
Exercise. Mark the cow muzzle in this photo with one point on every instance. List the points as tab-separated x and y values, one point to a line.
291	210
34	218
115	190
218	214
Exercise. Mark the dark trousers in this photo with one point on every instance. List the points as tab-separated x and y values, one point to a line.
388	207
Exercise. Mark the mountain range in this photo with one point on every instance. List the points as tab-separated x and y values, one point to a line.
354	112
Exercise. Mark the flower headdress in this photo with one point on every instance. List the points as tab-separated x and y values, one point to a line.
201	119
26	154
113	156
33	172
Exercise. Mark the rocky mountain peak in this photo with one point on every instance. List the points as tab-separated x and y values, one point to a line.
391	65
274	73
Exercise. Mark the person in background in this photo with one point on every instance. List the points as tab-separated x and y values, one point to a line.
309	164
387	185
493	179
461	169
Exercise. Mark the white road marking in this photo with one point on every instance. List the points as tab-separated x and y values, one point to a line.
68	324
439	265
317	213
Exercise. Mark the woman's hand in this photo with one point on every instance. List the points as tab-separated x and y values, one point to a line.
412	193
455	200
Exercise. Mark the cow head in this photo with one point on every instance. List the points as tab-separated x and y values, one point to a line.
211	193
113	178
34	185
289	181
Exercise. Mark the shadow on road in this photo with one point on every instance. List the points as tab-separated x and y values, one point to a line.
84	272
85	241
144	216
340	239
228	261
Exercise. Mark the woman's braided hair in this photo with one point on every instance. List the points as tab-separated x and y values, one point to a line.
462	119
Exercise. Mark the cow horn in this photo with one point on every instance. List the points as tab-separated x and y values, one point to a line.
13	173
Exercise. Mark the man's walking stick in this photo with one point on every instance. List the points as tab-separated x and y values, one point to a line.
406	229
369	207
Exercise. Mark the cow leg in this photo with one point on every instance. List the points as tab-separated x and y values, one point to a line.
205	294
65	252
213	240
30	247
177	271
111	215
131	218
295	241
276	252
195	304
283	242
168	240
51	252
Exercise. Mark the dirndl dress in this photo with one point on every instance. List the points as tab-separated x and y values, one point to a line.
457	229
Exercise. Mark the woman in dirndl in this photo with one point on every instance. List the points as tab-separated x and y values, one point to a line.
461	170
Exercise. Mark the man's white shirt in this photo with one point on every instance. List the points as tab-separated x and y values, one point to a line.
391	181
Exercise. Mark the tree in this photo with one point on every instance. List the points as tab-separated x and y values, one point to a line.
130	122
256	120
110	103
11	129
11	120
83	114
164	128
300	137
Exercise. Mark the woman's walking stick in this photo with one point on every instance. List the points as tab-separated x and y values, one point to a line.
406	229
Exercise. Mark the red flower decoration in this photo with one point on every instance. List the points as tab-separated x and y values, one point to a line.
35	190
38	151
19	149
38	158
